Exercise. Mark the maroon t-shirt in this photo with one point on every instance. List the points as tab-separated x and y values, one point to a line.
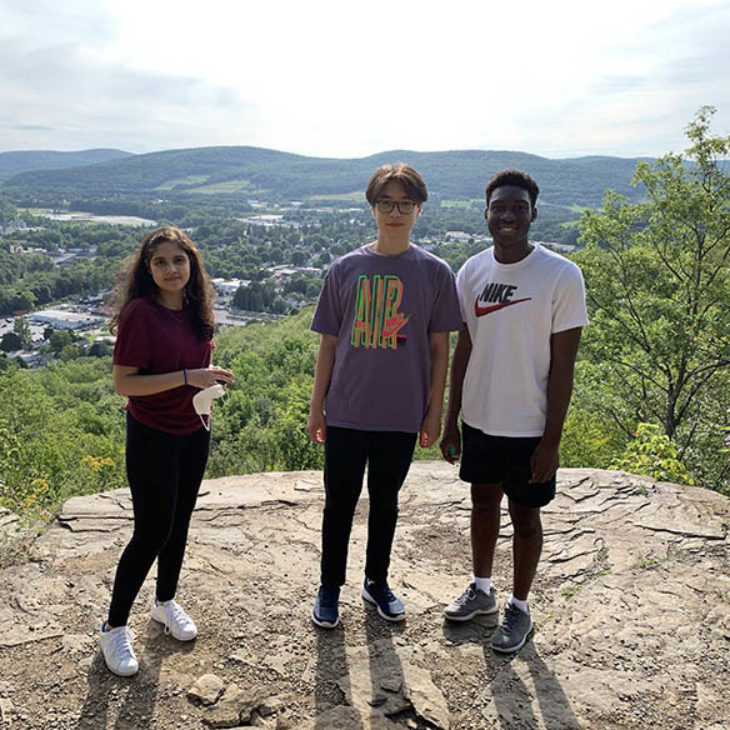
159	340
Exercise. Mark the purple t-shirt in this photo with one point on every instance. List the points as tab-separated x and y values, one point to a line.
382	309
159	340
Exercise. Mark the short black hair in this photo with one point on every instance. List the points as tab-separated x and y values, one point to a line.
512	176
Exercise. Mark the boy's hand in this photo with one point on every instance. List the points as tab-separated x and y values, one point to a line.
451	444
430	429
544	462
317	427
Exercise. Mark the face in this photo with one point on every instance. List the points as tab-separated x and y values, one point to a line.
509	215
169	266
395	221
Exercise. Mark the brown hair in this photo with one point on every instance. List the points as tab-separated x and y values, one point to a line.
135	280
412	182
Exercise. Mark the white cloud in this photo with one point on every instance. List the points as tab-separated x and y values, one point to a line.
337	79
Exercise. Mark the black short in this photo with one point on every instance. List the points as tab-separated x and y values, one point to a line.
500	459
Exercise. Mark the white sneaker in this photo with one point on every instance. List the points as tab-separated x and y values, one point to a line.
175	620
117	649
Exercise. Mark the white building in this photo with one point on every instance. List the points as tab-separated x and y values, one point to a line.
63	320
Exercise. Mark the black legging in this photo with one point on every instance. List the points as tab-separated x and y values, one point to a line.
164	473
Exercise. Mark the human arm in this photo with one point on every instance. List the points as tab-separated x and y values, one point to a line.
128	380
438	344
451	440
563	351
316	423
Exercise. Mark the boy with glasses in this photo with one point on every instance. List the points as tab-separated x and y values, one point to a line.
511	378
384	317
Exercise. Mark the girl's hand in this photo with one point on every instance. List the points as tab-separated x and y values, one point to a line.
205	377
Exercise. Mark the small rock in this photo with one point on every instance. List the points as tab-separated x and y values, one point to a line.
207	689
6	708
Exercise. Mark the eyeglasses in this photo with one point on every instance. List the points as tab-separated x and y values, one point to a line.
405	207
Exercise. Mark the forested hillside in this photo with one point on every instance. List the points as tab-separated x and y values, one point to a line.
14	163
254	172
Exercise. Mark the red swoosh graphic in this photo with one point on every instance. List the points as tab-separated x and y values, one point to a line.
391	326
481	311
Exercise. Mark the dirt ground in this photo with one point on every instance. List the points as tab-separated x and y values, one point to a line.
631	607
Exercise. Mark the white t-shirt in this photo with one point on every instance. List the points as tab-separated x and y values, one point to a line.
511	310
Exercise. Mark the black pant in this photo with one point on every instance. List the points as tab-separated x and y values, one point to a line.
164	473
388	455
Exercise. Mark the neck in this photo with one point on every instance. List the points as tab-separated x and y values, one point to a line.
391	243
170	300
511	254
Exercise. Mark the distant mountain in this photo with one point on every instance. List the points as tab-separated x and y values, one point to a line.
13	163
257	172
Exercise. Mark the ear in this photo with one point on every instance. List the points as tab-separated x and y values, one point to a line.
419	209
534	214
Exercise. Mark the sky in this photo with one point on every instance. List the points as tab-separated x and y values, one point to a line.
336	79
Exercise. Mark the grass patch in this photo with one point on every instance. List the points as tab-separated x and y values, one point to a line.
644	562
189	180
571	591
357	196
461	203
229	186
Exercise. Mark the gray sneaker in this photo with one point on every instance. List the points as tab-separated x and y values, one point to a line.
513	632
470	603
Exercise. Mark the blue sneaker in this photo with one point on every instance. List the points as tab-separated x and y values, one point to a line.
326	613
388	604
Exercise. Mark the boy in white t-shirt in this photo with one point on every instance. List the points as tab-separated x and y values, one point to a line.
511	378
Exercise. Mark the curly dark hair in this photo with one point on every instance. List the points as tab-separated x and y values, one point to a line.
512	176
135	280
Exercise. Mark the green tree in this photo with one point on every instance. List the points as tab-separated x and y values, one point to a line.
21	328
652	453
658	284
10	342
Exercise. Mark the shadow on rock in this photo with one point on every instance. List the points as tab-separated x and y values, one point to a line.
386	673
475	631
131	699
330	675
526	693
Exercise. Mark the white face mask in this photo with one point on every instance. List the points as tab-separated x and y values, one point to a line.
202	401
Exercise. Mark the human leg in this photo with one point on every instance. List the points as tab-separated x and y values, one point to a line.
152	476
345	454
191	454
485	520
526	546
389	459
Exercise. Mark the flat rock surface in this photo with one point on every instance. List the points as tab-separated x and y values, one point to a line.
631	607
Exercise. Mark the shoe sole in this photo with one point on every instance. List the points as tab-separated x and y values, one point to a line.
517	647
394	618
478	612
121	674
116	672
177	638
324	624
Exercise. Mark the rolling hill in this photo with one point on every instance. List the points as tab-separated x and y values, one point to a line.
270	174
14	163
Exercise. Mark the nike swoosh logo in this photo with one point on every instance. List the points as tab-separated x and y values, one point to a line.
481	311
